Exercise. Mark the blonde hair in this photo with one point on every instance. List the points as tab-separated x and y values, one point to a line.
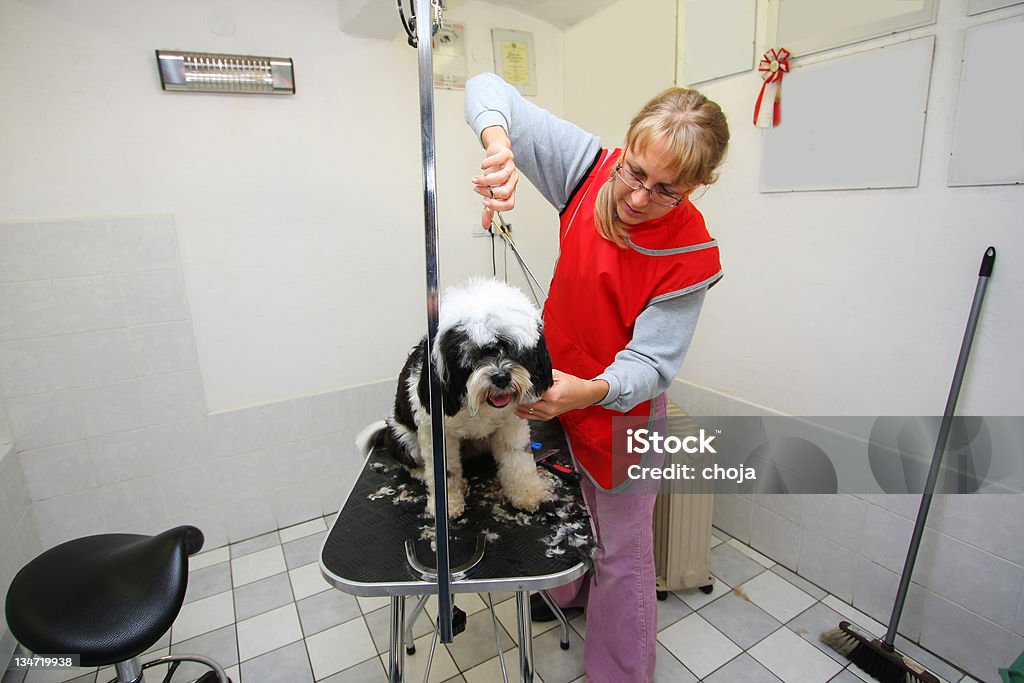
691	128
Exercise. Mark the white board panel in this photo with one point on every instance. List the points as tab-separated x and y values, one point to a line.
716	38
854	122
979	6
988	143
807	26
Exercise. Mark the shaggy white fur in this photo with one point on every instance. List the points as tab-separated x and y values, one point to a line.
489	356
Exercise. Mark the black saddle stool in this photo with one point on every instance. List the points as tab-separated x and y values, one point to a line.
107	598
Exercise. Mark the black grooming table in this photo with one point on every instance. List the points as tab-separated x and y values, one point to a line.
383	520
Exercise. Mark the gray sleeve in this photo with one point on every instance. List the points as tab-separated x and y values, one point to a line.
651	360
553	154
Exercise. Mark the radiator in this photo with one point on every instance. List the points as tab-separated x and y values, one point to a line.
682	524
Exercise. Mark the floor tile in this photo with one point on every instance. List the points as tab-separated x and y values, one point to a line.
507	617
695	598
257	565
303	551
490	671
221	646
13	676
441	668
203	616
766	562
373	604
476	644
340	647
668	669
262	596
698	645
743	622
742	668
322	611
370	671
207	581
732	566
554	664
208	558
811	623
268	631
794	660
289	664
800	582
671	610
291	533
307	581
379	623
253	545
59	676
776	596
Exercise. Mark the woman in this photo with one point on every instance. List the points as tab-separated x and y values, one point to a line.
635	261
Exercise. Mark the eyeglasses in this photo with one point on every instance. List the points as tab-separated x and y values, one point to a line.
657	196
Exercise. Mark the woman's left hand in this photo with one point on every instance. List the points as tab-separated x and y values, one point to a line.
567	393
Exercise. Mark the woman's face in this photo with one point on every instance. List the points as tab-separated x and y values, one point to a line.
653	169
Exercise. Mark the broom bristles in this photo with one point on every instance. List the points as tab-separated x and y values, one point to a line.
879	660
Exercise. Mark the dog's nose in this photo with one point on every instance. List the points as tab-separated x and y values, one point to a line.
501	379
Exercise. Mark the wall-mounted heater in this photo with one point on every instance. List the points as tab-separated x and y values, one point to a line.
208	72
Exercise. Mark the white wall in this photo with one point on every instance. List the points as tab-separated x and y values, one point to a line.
299	218
833	303
615	61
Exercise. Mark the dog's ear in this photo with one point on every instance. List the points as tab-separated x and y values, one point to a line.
423	385
456	375
537	362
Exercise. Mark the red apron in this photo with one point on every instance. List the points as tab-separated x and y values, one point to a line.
598	291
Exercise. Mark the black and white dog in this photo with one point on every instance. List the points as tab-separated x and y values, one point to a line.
490	356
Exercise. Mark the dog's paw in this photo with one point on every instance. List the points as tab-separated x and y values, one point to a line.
529	492
456	505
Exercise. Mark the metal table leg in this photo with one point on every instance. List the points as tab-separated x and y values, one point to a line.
396	647
525	633
557	611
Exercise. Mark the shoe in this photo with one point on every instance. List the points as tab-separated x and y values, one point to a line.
541	613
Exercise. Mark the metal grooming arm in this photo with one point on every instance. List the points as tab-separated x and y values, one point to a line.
424	28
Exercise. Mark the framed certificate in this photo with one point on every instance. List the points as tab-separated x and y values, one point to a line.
514	59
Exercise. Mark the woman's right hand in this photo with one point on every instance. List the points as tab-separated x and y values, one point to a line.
497	183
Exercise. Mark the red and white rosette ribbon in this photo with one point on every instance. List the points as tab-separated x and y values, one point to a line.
773	65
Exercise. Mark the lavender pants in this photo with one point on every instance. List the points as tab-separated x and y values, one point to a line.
619	593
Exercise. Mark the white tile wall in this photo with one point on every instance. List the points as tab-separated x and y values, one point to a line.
100	378
966	602
776	536
19	537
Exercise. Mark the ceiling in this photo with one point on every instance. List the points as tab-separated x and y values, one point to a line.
560	13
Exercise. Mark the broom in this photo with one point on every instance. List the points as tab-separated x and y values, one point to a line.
880	658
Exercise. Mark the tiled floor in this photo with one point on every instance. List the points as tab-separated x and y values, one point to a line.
262	610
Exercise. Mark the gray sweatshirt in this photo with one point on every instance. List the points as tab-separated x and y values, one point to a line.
555	156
